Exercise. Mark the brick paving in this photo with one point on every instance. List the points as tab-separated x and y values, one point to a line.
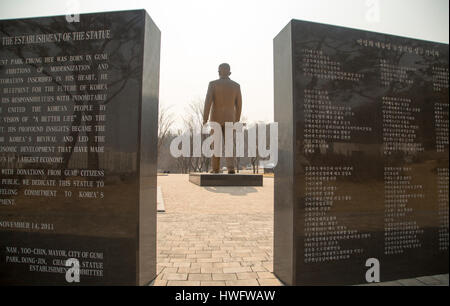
215	236
223	236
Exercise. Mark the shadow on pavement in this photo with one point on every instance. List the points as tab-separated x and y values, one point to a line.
234	191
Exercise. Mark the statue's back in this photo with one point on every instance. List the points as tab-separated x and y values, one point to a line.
226	94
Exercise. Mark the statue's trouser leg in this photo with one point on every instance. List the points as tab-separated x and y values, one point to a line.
215	164
215	161
229	160
230	163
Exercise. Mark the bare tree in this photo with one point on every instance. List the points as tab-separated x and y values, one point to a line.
165	122
193	122
237	158
255	160
183	163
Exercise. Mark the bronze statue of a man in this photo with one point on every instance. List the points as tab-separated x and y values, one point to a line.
224	101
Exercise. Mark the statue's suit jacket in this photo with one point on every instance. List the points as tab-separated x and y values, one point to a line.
224	100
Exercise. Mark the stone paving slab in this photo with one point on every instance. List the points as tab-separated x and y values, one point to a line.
223	236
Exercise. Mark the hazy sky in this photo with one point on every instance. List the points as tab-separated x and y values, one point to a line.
198	35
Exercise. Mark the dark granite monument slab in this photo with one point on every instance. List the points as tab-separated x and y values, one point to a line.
219	179
363	155
78	131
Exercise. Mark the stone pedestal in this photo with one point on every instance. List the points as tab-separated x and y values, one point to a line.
213	179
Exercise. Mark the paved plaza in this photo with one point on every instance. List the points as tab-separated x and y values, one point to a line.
222	236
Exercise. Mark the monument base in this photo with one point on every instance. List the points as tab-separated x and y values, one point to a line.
219	179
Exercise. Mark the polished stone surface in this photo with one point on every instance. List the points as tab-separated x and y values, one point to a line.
363	155
79	116
218	179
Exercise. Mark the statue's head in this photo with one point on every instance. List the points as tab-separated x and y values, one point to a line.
224	70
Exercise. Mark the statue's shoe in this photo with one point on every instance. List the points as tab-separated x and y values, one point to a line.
231	172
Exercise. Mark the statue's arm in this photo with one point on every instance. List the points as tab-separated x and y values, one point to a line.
208	103
238	105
